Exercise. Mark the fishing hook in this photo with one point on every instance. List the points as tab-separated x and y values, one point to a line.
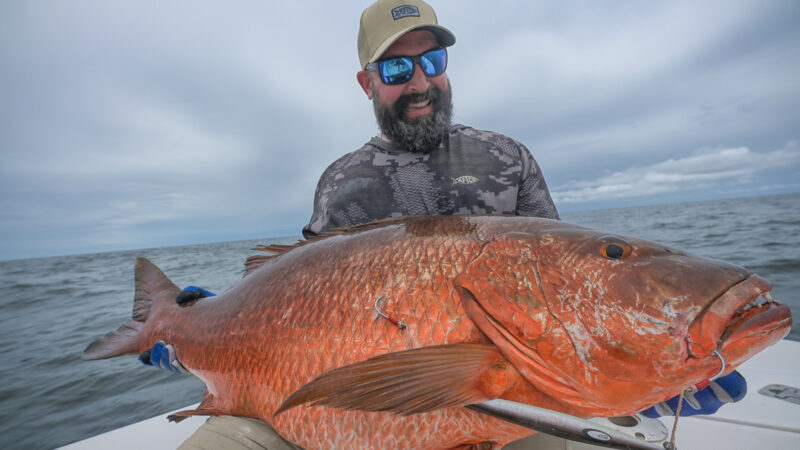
721	371
399	324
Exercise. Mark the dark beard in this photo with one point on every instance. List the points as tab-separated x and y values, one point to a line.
420	134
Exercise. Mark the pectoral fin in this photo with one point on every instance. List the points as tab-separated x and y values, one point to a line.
412	381
205	408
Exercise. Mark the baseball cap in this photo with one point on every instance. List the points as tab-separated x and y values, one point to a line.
387	20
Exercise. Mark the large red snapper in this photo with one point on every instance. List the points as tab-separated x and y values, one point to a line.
531	310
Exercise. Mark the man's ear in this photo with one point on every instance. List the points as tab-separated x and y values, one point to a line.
366	83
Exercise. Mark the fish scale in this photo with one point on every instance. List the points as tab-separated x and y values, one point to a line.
361	332
488	303
375	338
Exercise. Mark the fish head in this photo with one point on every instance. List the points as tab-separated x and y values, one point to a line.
609	325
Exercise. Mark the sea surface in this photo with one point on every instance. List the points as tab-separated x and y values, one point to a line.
51	308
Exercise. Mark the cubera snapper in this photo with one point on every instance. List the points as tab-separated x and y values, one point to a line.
379	335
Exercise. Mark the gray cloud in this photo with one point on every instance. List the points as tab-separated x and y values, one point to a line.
137	124
697	171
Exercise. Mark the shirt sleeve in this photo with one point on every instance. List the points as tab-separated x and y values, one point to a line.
353	190
320	217
533	197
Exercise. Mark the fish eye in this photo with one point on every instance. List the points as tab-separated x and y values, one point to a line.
614	248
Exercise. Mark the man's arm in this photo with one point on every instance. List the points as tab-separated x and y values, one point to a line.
319	216
327	188
533	197
353	190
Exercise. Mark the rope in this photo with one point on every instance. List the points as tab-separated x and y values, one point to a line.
699	386
675	424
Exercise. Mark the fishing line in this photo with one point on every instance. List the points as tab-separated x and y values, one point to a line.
691	390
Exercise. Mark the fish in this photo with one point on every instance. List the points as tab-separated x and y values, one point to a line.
380	335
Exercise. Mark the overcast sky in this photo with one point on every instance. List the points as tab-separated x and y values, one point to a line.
149	123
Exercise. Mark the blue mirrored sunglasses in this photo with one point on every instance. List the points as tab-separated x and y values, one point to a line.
400	69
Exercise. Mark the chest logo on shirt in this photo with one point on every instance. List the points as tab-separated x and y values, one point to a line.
465	179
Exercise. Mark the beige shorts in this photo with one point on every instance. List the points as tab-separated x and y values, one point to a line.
241	433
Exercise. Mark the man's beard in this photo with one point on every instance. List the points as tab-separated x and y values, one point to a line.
419	134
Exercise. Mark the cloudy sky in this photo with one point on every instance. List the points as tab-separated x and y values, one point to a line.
149	123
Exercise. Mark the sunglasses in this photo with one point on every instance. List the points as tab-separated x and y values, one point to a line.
399	70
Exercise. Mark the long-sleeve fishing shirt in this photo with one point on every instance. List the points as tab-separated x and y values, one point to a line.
469	172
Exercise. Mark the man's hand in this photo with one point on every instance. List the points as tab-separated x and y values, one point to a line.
192	293
728	389
162	356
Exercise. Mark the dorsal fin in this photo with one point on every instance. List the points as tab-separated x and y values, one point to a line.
254	262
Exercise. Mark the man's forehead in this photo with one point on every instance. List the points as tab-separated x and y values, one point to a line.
412	43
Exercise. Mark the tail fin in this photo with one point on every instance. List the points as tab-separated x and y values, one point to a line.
150	283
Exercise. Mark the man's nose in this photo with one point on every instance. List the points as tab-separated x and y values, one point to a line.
419	81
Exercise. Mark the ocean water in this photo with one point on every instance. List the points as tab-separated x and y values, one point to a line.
51	308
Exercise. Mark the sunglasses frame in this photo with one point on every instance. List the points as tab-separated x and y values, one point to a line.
415	61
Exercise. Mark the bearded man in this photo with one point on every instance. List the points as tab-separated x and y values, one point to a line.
421	163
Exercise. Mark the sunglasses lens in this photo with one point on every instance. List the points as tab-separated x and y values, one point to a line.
434	63
397	70
400	70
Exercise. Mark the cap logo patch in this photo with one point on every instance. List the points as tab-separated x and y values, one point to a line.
405	11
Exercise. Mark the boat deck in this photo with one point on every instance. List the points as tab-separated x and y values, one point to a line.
757	422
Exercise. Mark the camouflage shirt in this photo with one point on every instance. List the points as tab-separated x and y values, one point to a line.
471	172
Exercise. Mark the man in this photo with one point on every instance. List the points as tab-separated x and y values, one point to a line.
420	164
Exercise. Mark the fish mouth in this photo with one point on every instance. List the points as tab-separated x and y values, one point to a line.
744	318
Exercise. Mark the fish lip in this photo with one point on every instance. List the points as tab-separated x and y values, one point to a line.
724	314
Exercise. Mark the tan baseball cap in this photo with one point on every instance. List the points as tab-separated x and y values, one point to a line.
387	20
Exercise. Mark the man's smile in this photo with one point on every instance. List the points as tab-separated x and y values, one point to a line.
419	108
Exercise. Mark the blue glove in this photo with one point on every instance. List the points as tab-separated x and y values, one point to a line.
162	355
191	293
728	389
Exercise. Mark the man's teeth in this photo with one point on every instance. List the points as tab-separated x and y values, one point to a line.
421	104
